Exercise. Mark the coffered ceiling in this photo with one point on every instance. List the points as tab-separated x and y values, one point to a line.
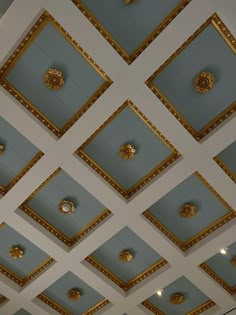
117	157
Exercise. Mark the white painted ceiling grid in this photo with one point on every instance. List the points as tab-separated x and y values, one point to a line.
128	83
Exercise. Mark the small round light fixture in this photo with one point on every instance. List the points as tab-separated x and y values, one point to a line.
233	261
126	256
223	251
53	79
127	151
159	292
16	252
204	82
1	149
187	211
177	298
74	294
66	207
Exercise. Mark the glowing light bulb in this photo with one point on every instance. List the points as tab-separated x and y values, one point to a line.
223	251
159	292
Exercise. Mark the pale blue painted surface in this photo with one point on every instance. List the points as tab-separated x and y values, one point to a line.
22	312
33	255
130	24
51	50
221	264
63	187
17	154
127	127
194	298
208	52
192	190
4	5
58	293
228	156
108	255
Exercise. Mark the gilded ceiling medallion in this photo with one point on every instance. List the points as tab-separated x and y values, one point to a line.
129	1
16	252
233	261
126	256
127	151
66	207
1	149
74	294
187	211
204	82
53	79
177	298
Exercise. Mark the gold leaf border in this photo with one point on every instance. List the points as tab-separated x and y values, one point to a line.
225	168
27	41
231	41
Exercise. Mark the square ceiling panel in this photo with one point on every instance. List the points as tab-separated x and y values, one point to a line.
190	212
52	76
226	160
20	260
130	25
22	312
3	299
195	83
222	268
17	156
65	208
180	298
69	295
128	150
126	259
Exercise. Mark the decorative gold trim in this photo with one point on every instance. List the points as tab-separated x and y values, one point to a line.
129	1
74	294
130	58
61	236
200	309
61	310
67	203
127	151
125	285
23	281
13	59
3	299
233	261
5	189
187	211
204	82
205	232
126	256
53	79
218	279
177	298
1	149
225	168
230	40
16	252
159	168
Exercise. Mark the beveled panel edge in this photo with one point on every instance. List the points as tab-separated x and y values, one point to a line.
218	279
147	178
225	168
202	234
25	43
130	58
231	41
61	310
125	285
3	299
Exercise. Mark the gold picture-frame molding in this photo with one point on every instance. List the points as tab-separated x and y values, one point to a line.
130	58
196	311
154	172
231	41
5	189
23	281
202	234
19	51
61	310
123	285
52	229
230	289
225	168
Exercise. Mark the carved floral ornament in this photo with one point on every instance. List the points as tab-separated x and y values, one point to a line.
233	261
127	151
204	82
126	256
74	294
66	207
53	79
128	1
1	149
16	252
187	211
177	298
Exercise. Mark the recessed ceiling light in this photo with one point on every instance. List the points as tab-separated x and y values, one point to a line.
159	292
223	251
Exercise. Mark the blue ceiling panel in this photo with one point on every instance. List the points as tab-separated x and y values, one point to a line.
24	267
18	153
22	312
193	299
45	201
4	5
226	159
57	294
210	209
